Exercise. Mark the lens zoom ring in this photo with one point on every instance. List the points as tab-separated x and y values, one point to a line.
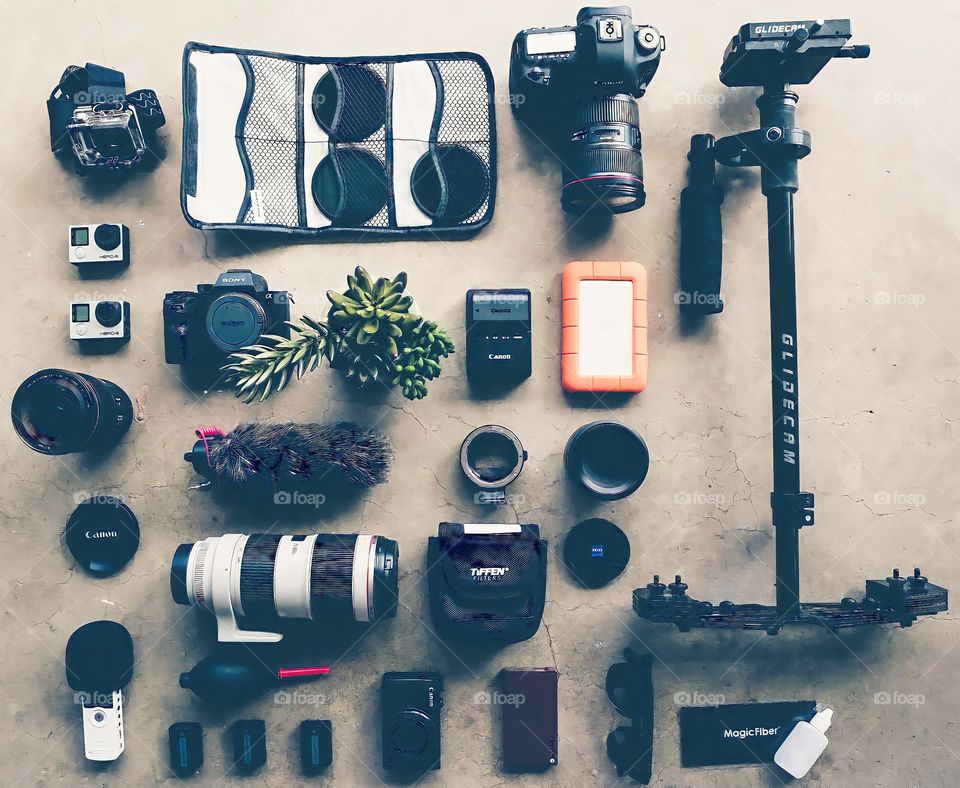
256	576
331	574
585	161
608	110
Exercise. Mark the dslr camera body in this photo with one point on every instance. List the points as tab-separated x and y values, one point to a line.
222	318
588	77
410	706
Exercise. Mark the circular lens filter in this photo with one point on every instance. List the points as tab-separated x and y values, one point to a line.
350	186
102	534
596	551
449	183
350	102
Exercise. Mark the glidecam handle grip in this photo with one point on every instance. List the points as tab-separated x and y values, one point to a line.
701	232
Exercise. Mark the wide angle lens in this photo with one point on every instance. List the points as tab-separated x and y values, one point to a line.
604	164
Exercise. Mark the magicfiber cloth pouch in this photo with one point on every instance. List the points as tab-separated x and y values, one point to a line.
738	733
395	145
487	582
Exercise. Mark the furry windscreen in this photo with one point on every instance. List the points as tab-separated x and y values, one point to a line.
303	453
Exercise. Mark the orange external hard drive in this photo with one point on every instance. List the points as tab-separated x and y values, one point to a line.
604	345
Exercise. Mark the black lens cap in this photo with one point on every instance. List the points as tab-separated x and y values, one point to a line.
102	534
596	551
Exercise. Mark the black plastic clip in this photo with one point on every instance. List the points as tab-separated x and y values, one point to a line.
792	510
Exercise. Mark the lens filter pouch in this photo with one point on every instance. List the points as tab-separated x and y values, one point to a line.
397	145
487	582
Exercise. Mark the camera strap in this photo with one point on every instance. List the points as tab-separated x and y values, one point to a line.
90	84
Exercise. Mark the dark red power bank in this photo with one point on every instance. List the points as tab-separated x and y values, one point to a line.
529	702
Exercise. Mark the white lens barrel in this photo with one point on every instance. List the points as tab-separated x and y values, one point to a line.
291	576
364	567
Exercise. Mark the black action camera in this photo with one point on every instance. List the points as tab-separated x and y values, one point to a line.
410	705
587	78
222	318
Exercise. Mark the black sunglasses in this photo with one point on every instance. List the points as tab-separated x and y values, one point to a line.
630	689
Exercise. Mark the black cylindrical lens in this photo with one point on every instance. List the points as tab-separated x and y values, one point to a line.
56	411
604	163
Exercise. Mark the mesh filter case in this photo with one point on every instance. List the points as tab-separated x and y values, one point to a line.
487	582
397	145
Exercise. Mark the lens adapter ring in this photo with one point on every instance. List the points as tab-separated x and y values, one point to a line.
492	433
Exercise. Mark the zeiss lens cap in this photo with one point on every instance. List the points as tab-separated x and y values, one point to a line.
596	551
102	534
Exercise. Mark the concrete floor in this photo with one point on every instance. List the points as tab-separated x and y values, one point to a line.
878	287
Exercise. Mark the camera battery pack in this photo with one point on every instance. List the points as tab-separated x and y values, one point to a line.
530	739
499	336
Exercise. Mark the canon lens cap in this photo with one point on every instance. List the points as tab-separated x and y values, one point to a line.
596	551
102	535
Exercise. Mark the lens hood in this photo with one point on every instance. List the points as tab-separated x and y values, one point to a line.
608	459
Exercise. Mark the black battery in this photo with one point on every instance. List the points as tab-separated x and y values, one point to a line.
499	335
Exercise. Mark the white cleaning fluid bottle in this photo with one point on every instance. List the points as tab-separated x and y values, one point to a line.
804	745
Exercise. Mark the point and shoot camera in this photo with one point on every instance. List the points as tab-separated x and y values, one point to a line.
588	77
411	705
222	318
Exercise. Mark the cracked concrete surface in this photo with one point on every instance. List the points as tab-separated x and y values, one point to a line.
877	238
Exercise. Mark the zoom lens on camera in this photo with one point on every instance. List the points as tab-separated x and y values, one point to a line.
586	79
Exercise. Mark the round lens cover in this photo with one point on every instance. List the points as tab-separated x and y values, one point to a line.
102	534
234	321
596	551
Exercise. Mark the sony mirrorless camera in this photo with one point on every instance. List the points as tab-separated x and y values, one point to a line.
222	318
410	706
100	322
585	80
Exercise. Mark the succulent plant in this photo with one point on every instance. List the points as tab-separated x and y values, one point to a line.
371	334
419	361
